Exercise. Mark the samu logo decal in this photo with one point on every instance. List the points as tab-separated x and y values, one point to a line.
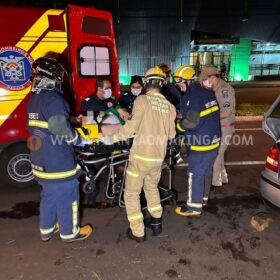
15	66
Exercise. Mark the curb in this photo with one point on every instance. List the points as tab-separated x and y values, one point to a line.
248	118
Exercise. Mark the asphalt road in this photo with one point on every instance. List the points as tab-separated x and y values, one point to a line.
220	245
256	92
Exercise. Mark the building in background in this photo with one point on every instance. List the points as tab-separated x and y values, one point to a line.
161	31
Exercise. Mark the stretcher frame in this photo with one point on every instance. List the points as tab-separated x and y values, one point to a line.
111	162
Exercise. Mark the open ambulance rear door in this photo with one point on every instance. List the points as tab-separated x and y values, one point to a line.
92	50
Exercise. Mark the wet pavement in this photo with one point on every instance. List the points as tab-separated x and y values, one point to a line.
219	245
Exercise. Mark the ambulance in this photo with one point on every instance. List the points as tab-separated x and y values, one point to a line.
80	38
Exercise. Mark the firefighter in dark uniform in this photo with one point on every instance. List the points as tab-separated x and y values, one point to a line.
170	92
52	153
127	99
201	124
102	100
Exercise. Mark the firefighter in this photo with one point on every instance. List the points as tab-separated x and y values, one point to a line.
136	88
226	98
170	92
152	124
102	100
201	124
52	154
183	77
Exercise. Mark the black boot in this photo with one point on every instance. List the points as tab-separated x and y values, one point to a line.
156	226
130	236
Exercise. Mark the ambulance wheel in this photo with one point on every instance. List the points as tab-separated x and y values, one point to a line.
15	167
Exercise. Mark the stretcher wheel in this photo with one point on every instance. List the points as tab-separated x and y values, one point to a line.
89	187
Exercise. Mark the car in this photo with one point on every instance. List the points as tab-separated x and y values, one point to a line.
270	179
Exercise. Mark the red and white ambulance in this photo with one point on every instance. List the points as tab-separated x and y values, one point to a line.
82	39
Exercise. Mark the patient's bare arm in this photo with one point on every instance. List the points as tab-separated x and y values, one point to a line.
110	129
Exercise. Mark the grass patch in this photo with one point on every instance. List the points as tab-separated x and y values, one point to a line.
248	109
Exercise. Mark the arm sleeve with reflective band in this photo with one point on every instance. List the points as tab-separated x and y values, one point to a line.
190	108
191	120
172	129
58	124
131	126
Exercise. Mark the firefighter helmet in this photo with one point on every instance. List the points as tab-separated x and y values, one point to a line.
154	77
183	74
46	73
48	68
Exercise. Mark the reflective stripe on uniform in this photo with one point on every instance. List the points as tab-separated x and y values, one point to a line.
194	205
70	236
37	123
147	158
133	174
205	148
209	111
180	128
135	217
205	198
75	216
56	175
155	208
190	187
47	231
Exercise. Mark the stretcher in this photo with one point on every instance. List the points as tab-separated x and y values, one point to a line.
112	161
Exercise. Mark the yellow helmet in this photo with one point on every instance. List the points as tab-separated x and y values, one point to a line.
154	76
183	73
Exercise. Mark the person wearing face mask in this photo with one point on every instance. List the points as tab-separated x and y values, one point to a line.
201	124
102	100
183	77
226	98
126	100
170	92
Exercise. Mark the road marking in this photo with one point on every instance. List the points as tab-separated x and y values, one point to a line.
233	163
248	129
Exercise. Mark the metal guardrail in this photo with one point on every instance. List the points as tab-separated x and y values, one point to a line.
264	69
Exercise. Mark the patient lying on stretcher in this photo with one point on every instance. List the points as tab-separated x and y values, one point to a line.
97	131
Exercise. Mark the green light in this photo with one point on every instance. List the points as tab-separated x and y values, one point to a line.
125	79
238	77
240	60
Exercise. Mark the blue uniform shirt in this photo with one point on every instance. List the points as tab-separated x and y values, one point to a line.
52	156
200	119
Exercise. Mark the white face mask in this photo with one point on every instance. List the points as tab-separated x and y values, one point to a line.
207	84
107	93
136	91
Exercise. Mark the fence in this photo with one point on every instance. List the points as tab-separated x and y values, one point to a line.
138	66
